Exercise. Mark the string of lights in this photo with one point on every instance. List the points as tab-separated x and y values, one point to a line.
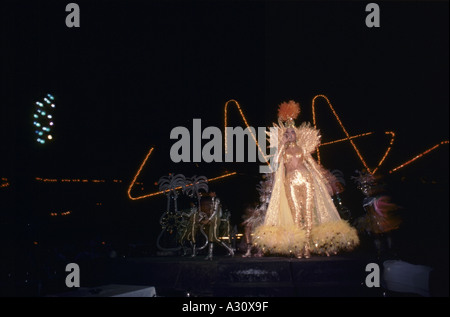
64	213
342	127
246	124
133	182
4	183
391	142
43	119
418	156
75	180
348	136
345	139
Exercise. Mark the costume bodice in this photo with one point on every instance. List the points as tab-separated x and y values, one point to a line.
293	158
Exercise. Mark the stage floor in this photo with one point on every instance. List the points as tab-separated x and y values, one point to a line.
177	276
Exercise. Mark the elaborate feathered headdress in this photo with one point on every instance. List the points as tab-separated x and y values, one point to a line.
364	178
288	112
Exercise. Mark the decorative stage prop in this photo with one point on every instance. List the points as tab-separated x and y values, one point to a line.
171	220
348	138
194	217
204	224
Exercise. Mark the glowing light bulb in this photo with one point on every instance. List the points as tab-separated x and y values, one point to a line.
49	137
51	123
49	116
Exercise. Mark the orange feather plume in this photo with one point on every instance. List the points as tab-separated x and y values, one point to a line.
288	110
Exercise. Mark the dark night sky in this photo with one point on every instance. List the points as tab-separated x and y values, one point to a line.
136	69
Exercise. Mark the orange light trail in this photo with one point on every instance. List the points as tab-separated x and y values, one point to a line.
418	156
346	139
246	124
162	191
342	127
387	151
5	182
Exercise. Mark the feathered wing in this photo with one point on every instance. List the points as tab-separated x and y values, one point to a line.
308	137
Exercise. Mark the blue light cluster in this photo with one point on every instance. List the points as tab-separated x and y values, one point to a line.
43	119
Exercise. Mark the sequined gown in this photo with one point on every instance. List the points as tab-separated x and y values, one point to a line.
298	183
301	216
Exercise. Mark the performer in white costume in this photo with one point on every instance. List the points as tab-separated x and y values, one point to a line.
301	217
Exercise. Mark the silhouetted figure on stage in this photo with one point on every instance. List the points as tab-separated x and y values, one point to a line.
212	207
381	218
337	182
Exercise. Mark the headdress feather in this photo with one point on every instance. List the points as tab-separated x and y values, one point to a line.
288	111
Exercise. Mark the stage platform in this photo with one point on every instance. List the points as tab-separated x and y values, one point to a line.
177	276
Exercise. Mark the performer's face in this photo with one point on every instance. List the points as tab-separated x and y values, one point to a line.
290	135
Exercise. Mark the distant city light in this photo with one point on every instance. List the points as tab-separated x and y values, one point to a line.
43	115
